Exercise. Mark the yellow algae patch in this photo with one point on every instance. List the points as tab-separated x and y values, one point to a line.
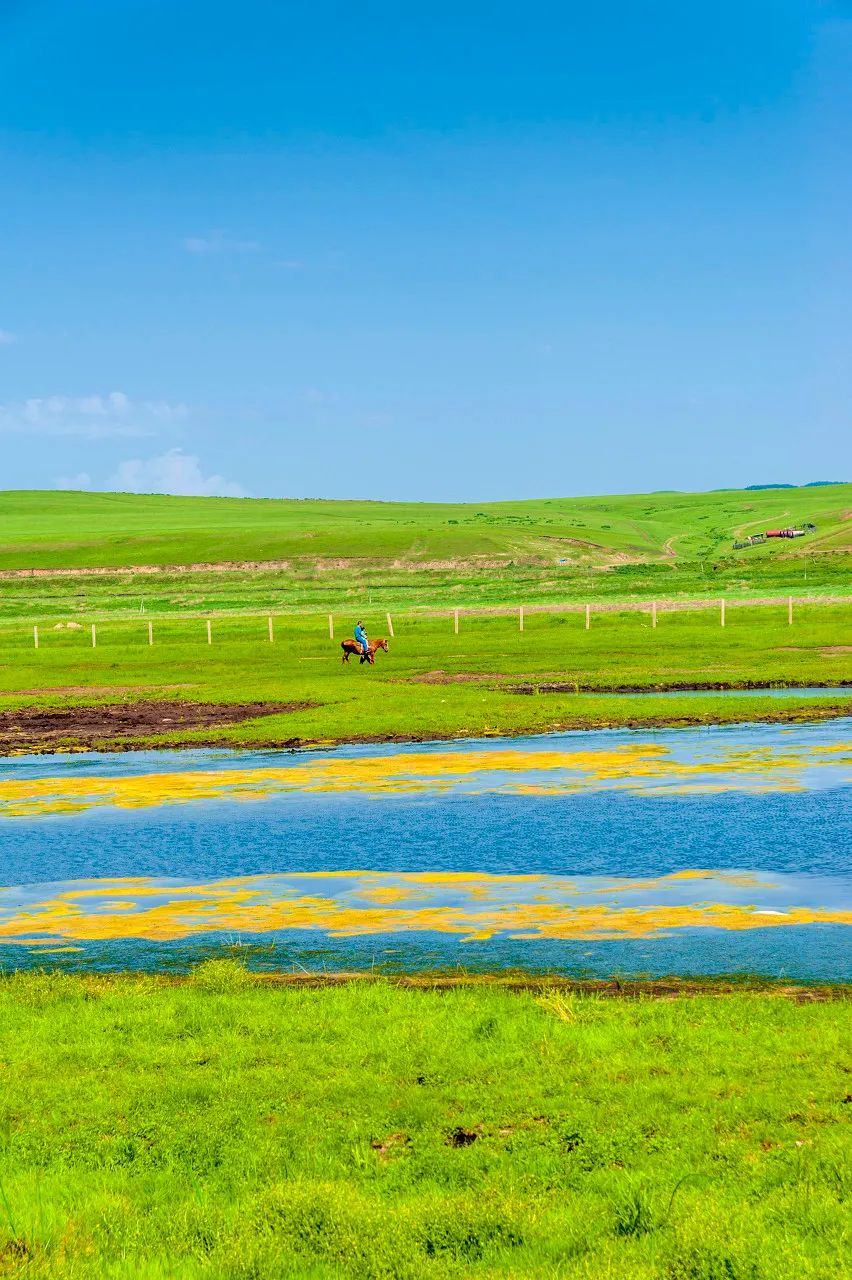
544	773
375	903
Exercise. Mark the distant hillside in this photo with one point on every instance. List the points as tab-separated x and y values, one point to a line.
811	484
84	530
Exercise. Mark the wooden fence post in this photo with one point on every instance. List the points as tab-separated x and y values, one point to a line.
722	614
521	618
588	616
456	621
790	612
390	626
653	613
269	628
150	633
35	636
94	636
331	626
209	632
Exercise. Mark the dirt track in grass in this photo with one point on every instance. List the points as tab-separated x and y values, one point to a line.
113	724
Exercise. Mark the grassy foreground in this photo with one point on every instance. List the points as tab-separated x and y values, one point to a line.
432	683
231	1128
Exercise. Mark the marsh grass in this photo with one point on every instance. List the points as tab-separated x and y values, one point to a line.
228	1127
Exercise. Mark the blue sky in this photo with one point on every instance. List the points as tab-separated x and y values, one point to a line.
445	251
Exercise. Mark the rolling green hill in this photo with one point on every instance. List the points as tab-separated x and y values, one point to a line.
85	530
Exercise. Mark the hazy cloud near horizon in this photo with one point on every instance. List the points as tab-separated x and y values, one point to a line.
172	472
113	415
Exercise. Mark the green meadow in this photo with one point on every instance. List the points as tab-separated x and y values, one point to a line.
433	683
413	555
298	562
240	1129
53	529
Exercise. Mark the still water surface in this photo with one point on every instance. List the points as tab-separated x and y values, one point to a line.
689	851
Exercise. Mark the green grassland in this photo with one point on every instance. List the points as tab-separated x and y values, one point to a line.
77	529
417	554
419	562
239	1129
434	683
377	587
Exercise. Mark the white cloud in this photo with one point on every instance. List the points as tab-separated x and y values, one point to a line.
219	242
82	480
165	412
173	472
96	417
7	338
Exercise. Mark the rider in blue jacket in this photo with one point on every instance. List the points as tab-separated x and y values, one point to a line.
361	638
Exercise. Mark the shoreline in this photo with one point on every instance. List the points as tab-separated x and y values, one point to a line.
229	974
568	724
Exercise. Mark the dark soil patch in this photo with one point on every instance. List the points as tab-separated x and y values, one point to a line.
696	686
111	725
460	1137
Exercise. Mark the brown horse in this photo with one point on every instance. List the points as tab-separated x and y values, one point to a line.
351	647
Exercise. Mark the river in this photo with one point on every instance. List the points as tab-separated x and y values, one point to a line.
683	851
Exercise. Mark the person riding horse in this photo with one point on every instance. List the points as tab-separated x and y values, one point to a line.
361	639
353	648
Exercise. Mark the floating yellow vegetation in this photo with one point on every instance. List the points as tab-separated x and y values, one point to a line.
647	767
473	906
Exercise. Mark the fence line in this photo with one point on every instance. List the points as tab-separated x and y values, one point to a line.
653	608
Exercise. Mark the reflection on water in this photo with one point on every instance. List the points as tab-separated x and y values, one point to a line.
573	852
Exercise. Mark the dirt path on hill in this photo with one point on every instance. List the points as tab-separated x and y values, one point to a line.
117	571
